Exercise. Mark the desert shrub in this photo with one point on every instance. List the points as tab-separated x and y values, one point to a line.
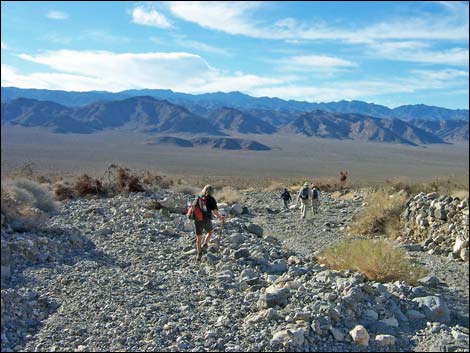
380	216
63	192
443	185
134	185
274	186
87	185
186	189
229	195
120	179
41	179
377	259
19	207
158	181
39	196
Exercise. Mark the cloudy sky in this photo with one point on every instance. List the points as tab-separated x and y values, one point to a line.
389	53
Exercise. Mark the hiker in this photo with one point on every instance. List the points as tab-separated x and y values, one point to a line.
286	198
304	195
315	199
206	204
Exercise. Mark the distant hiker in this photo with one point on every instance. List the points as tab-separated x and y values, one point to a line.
286	198
304	195
315	199
201	212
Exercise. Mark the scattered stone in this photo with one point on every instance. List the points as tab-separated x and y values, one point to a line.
385	340
360	335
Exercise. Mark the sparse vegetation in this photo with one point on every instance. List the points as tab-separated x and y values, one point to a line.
63	191
186	189
25	204
274	186
377	259
87	185
446	186
28	193
229	195
380	216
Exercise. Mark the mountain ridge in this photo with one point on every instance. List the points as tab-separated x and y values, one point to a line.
241	101
150	115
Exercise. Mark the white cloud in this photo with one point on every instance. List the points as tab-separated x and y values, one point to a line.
57	15
319	63
148	16
103	70
5	46
202	46
236	18
419	80
103	36
185	72
57	81
442	75
419	52
230	17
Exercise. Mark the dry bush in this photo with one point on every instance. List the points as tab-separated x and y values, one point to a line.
134	184
120	179
443	185
63	192
23	209
377	259
31	194
186	189
380	216
275	186
229	195
87	185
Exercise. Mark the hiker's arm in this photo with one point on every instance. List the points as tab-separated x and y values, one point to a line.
218	215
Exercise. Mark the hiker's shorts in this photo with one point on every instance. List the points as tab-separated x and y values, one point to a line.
203	225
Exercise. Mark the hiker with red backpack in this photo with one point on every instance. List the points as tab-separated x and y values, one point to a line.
201	212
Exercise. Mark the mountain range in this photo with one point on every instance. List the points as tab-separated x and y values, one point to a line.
150	115
202	104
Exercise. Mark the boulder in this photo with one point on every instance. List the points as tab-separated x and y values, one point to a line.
360	335
275	297
236	209
254	229
434	308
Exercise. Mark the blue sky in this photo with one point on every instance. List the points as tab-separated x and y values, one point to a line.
389	53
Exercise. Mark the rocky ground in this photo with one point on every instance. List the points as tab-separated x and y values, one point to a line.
115	274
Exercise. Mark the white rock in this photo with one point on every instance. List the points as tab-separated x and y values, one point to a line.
385	340
360	335
460	243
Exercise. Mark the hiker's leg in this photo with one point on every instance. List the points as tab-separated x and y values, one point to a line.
304	209
198	229
208	237
198	242
209	229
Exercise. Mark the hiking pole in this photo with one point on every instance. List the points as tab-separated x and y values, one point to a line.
222	226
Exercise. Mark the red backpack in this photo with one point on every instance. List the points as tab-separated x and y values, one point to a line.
198	209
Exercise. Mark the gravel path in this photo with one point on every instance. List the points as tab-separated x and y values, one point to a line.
125	279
